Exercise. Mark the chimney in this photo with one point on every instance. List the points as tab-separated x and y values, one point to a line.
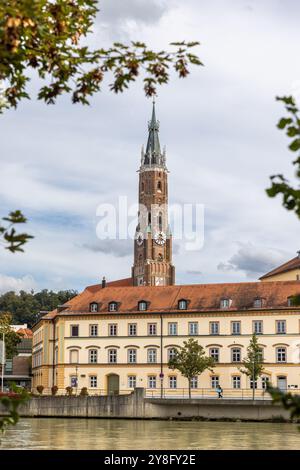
103	282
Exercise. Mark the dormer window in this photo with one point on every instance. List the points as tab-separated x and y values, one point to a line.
258	303
112	306
93	307
225	303
182	304
142	305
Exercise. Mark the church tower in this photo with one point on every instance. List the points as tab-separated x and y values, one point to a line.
153	239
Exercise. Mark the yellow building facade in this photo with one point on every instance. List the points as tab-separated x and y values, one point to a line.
86	344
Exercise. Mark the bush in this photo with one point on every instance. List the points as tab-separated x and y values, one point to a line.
40	389
54	390
69	391
84	392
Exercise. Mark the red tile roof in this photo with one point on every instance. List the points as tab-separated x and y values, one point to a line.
289	266
25	332
200	297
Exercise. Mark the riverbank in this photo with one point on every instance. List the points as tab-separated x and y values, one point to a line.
136	406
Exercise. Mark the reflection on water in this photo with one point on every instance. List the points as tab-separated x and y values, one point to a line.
60	433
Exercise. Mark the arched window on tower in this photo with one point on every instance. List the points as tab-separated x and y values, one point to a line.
149	218
160	221
143	187
159	185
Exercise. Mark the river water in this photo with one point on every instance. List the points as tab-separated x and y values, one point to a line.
107	434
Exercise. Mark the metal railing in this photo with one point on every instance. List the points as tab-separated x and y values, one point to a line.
202	393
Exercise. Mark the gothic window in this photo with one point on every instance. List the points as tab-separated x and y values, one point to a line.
160	221
159	185
149	218
160	257
143	187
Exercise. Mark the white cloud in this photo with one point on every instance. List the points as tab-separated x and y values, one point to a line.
11	283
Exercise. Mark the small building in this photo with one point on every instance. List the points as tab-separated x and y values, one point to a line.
18	368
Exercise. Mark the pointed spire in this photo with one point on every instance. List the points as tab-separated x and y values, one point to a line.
153	154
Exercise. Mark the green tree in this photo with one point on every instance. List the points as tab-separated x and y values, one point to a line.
191	361
12	339
11	405
253	363
288	400
47	36
280	185
12	240
25	306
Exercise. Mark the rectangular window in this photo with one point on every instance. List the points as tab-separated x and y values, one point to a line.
93	330
171	353
93	356
132	356
132	329
113	329
235	355
93	381
151	356
74	330
193	328
236	381
74	356
131	381
172	381
258	327
194	382
264	382
152	329
235	327
251	383
152	381
280	327
214	327
281	354
172	328
214	380
214	354
112	356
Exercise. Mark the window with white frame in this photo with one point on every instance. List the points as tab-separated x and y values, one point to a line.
214	380
171	353
264	381
131	381
93	381
215	354
193	328
236	381
112	329
112	356
182	304
74	330
93	307
235	327
251	383
258	303
236	355
132	329
214	327
281	354
258	327
172	381
142	305
93	330
194	382
112	306
172	328
151	355
152	329
225	303
152	381
74	356
132	356
280	327
93	356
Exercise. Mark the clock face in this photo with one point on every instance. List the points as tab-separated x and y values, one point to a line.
160	238
139	238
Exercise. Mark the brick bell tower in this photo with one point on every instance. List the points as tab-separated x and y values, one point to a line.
153	240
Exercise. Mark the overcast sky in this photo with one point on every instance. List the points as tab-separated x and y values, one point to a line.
58	163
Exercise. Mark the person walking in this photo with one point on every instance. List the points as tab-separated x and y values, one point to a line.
219	391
